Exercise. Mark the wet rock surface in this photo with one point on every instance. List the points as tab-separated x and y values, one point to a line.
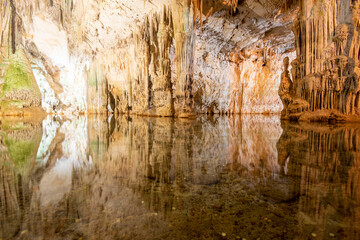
250	176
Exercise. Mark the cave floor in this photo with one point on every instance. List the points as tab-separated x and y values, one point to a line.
218	177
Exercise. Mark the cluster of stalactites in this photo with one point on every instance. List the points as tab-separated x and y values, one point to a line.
334	88
147	66
60	10
198	7
231	3
324	72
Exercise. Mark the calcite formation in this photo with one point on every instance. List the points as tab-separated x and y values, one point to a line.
217	65
187	57
235	72
158	58
324	84
149	87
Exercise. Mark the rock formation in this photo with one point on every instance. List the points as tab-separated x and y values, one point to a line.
325	74
158	58
217	66
20	94
187	57
148	88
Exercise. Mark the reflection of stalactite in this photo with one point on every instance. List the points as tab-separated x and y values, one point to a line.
332	164
159	151
253	153
13	201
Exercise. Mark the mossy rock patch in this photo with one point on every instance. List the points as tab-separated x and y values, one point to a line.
16	79
20	89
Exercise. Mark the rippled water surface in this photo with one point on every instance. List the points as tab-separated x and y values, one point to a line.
243	177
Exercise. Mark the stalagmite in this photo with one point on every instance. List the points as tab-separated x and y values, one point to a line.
286	89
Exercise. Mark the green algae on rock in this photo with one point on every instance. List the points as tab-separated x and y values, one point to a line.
20	94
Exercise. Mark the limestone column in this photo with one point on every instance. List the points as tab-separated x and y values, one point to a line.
184	35
161	36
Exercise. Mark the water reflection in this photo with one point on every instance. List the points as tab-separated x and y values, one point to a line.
160	178
326	159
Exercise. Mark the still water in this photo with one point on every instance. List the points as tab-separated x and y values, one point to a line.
243	177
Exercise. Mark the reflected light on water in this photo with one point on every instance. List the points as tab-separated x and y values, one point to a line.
248	176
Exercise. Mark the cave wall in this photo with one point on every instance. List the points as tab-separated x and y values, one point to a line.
178	58
238	62
224	62
19	93
41	28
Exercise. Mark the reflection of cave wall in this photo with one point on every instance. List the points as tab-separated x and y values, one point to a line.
19	141
37	168
150	173
136	176
166	151
253	144
326	161
196	151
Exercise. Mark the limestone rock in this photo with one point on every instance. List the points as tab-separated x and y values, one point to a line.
187	57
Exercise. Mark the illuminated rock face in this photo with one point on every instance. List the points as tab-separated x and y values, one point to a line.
238	62
325	73
20	94
145	86
230	63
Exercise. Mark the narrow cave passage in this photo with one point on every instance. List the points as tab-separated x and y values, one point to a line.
179	119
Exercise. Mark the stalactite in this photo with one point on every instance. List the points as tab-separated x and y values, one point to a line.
13	27
150	75
319	169
8	30
146	66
